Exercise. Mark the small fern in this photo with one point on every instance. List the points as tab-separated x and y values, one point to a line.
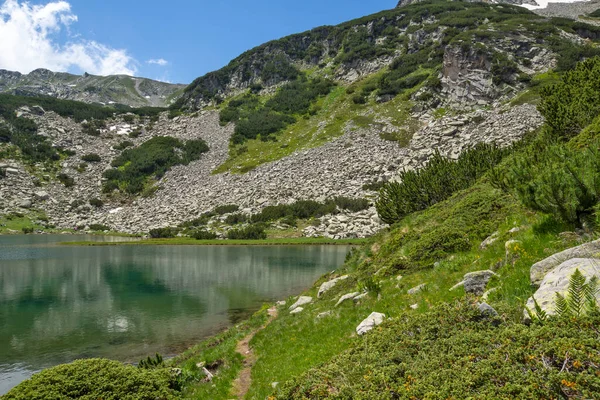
151	362
580	299
540	315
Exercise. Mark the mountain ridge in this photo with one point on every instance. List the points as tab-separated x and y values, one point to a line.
112	89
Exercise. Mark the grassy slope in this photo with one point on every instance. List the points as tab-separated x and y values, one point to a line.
293	344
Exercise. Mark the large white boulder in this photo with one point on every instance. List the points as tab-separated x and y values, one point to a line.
302	300
370	322
540	269
557	281
330	284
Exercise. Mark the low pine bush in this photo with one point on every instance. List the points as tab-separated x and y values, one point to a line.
202	234
418	190
251	232
163	233
92	157
97	379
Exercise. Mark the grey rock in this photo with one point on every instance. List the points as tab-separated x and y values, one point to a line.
487	311
489	241
42	195
297	310
360	297
324	314
475	282
557	281
26	203
346	297
540	269
369	323
302	300
326	286
417	289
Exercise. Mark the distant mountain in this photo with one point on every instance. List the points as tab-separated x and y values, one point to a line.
404	3
121	89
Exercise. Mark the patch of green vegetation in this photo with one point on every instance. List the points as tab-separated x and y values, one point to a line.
19	222
419	190
95	379
430	349
135	166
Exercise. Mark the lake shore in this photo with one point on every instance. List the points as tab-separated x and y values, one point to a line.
217	242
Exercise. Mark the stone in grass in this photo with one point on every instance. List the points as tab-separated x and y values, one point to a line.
324	314
558	280
489	241
475	282
326	286
540	269
360	297
347	297
487	311
302	300
297	310
280	303
417	289
369	323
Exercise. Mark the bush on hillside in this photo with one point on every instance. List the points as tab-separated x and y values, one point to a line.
66	180
95	202
557	180
452	352
163	233
436	182
124	145
99	227
251	232
351	204
235	219
226	209
153	158
202	234
92	157
97	379
572	104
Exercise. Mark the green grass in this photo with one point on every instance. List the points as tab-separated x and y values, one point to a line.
192	242
532	95
221	350
15	223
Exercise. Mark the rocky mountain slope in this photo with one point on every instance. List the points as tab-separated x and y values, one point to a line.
380	95
120	89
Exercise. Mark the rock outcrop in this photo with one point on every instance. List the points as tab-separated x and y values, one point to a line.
540	269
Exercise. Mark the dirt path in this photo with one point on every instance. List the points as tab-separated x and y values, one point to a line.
244	379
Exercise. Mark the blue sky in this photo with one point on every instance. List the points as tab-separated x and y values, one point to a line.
184	38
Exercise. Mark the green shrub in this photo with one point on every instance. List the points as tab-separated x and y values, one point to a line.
251	232
153	158
572	104
92	157
350	204
436	182
27	230
557	180
96	379
2	173
202	234
66	180
152	362
226	209
124	145
163	233
438	244
235	219
99	227
96	202
452	352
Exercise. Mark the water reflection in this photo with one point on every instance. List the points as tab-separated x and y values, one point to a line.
59	303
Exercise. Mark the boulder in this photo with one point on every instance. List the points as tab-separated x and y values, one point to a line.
489	241
417	289
330	284
42	195
25	203
475	282
12	171
302	300
346	297
369	323
487	311
324	314
297	310
540	269
360	297
557	281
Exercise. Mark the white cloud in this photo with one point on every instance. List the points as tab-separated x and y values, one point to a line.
160	61
27	42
